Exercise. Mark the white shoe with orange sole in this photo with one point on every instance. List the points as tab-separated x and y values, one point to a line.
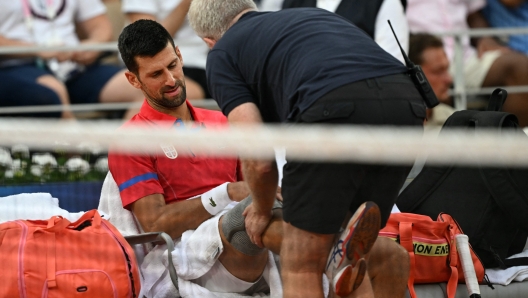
347	262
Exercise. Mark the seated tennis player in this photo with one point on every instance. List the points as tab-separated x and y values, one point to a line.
176	191
189	197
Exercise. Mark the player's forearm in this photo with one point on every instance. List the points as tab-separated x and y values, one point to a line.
179	217
262	178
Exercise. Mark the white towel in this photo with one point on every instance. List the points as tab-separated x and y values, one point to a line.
506	276
125	222
110	203
33	206
194	255
156	281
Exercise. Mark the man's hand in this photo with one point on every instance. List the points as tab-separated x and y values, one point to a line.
85	57
256	222
59	55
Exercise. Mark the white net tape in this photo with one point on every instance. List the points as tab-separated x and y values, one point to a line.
388	145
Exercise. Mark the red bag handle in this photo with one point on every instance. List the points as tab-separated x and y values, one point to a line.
405	230
453	262
57	224
406	241
92	215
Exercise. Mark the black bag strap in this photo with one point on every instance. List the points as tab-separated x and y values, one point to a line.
497	99
431	177
428	180
425	183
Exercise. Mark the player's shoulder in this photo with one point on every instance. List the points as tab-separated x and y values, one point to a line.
210	116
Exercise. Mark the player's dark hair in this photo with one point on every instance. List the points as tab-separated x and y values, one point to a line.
143	38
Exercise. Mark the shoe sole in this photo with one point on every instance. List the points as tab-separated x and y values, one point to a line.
358	245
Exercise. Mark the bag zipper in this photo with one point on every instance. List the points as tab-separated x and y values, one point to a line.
469	244
128	262
21	246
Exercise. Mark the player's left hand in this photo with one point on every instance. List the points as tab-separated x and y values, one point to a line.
256	222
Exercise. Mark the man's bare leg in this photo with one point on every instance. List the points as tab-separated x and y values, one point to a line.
388	263
303	261
388	271
389	267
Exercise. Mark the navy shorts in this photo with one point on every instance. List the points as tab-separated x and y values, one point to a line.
318	195
18	90
85	87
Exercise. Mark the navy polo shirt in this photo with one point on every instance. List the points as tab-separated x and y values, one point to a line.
284	61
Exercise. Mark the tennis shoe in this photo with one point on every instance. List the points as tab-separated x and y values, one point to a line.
347	262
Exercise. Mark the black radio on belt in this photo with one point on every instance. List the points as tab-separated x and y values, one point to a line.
418	77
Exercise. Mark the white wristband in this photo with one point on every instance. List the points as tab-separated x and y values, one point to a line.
216	199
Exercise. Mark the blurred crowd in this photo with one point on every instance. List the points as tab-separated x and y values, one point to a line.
81	77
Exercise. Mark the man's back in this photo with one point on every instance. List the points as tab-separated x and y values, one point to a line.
302	55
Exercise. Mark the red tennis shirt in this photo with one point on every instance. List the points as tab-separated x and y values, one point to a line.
174	176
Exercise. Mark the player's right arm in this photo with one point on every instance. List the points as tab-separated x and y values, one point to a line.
155	215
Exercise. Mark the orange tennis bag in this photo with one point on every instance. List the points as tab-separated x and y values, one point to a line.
57	258
432	249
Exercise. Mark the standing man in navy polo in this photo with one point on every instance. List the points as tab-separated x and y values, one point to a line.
311	66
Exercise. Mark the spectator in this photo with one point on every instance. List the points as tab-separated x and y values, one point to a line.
76	77
428	51
371	16
489	64
172	15
509	13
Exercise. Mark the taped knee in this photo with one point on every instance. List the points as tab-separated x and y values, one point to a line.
234	228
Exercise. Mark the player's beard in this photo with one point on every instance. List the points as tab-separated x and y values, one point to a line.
168	103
